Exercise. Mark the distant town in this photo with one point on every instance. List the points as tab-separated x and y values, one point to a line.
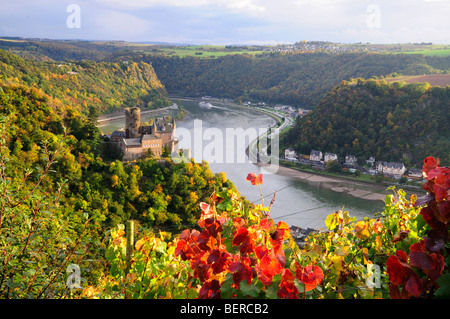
329	161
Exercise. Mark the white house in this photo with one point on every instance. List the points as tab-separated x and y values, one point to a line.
391	169
289	153
315	156
415	173
302	112
370	161
330	157
351	160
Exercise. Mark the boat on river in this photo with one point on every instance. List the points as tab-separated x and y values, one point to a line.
205	105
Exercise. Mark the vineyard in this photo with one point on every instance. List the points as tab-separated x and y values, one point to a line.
238	253
78	224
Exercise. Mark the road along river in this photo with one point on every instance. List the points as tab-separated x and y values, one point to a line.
220	134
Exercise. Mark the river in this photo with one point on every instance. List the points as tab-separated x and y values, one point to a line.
298	202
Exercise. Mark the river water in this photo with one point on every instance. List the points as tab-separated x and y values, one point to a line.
214	134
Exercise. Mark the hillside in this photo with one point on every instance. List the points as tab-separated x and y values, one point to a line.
297	79
111	190
103	86
391	121
60	196
300	78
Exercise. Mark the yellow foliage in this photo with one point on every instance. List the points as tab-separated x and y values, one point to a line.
114	180
362	229
193	197
336	263
378	243
223	177
158	189
377	227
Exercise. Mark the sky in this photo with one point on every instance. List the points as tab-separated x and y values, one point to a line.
229	21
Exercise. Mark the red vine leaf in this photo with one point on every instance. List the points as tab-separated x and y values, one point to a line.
311	276
265	223
219	260
241	270
255	179
238	222
261	251
288	290
429	164
267	268
401	274
419	257
282	232
210	290
245	239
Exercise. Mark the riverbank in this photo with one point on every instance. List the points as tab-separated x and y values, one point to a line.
359	189
336	184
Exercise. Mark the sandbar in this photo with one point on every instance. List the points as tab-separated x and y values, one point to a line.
336	184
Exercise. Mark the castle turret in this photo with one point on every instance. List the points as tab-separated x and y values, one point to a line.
174	127
132	121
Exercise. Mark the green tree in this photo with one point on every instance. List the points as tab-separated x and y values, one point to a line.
38	241
334	166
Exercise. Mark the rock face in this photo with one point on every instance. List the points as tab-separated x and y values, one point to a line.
299	234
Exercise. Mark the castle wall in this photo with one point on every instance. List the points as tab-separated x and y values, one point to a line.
132	153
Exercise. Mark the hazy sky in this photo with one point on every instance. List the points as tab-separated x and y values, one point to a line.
229	21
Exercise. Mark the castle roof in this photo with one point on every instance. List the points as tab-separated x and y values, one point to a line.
118	133
132	142
150	137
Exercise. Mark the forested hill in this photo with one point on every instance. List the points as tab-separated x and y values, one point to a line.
61	196
299	80
105	86
154	192
391	121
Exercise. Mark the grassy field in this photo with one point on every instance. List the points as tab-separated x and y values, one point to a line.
439	50
432	52
434	79
208	51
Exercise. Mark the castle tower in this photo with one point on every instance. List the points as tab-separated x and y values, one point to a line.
132	121
174	127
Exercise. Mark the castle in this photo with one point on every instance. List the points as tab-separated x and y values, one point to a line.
137	139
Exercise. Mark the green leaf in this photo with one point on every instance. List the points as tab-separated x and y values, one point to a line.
271	291
388	199
226	204
421	223
249	290
226	291
330	222
444	287
139	266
